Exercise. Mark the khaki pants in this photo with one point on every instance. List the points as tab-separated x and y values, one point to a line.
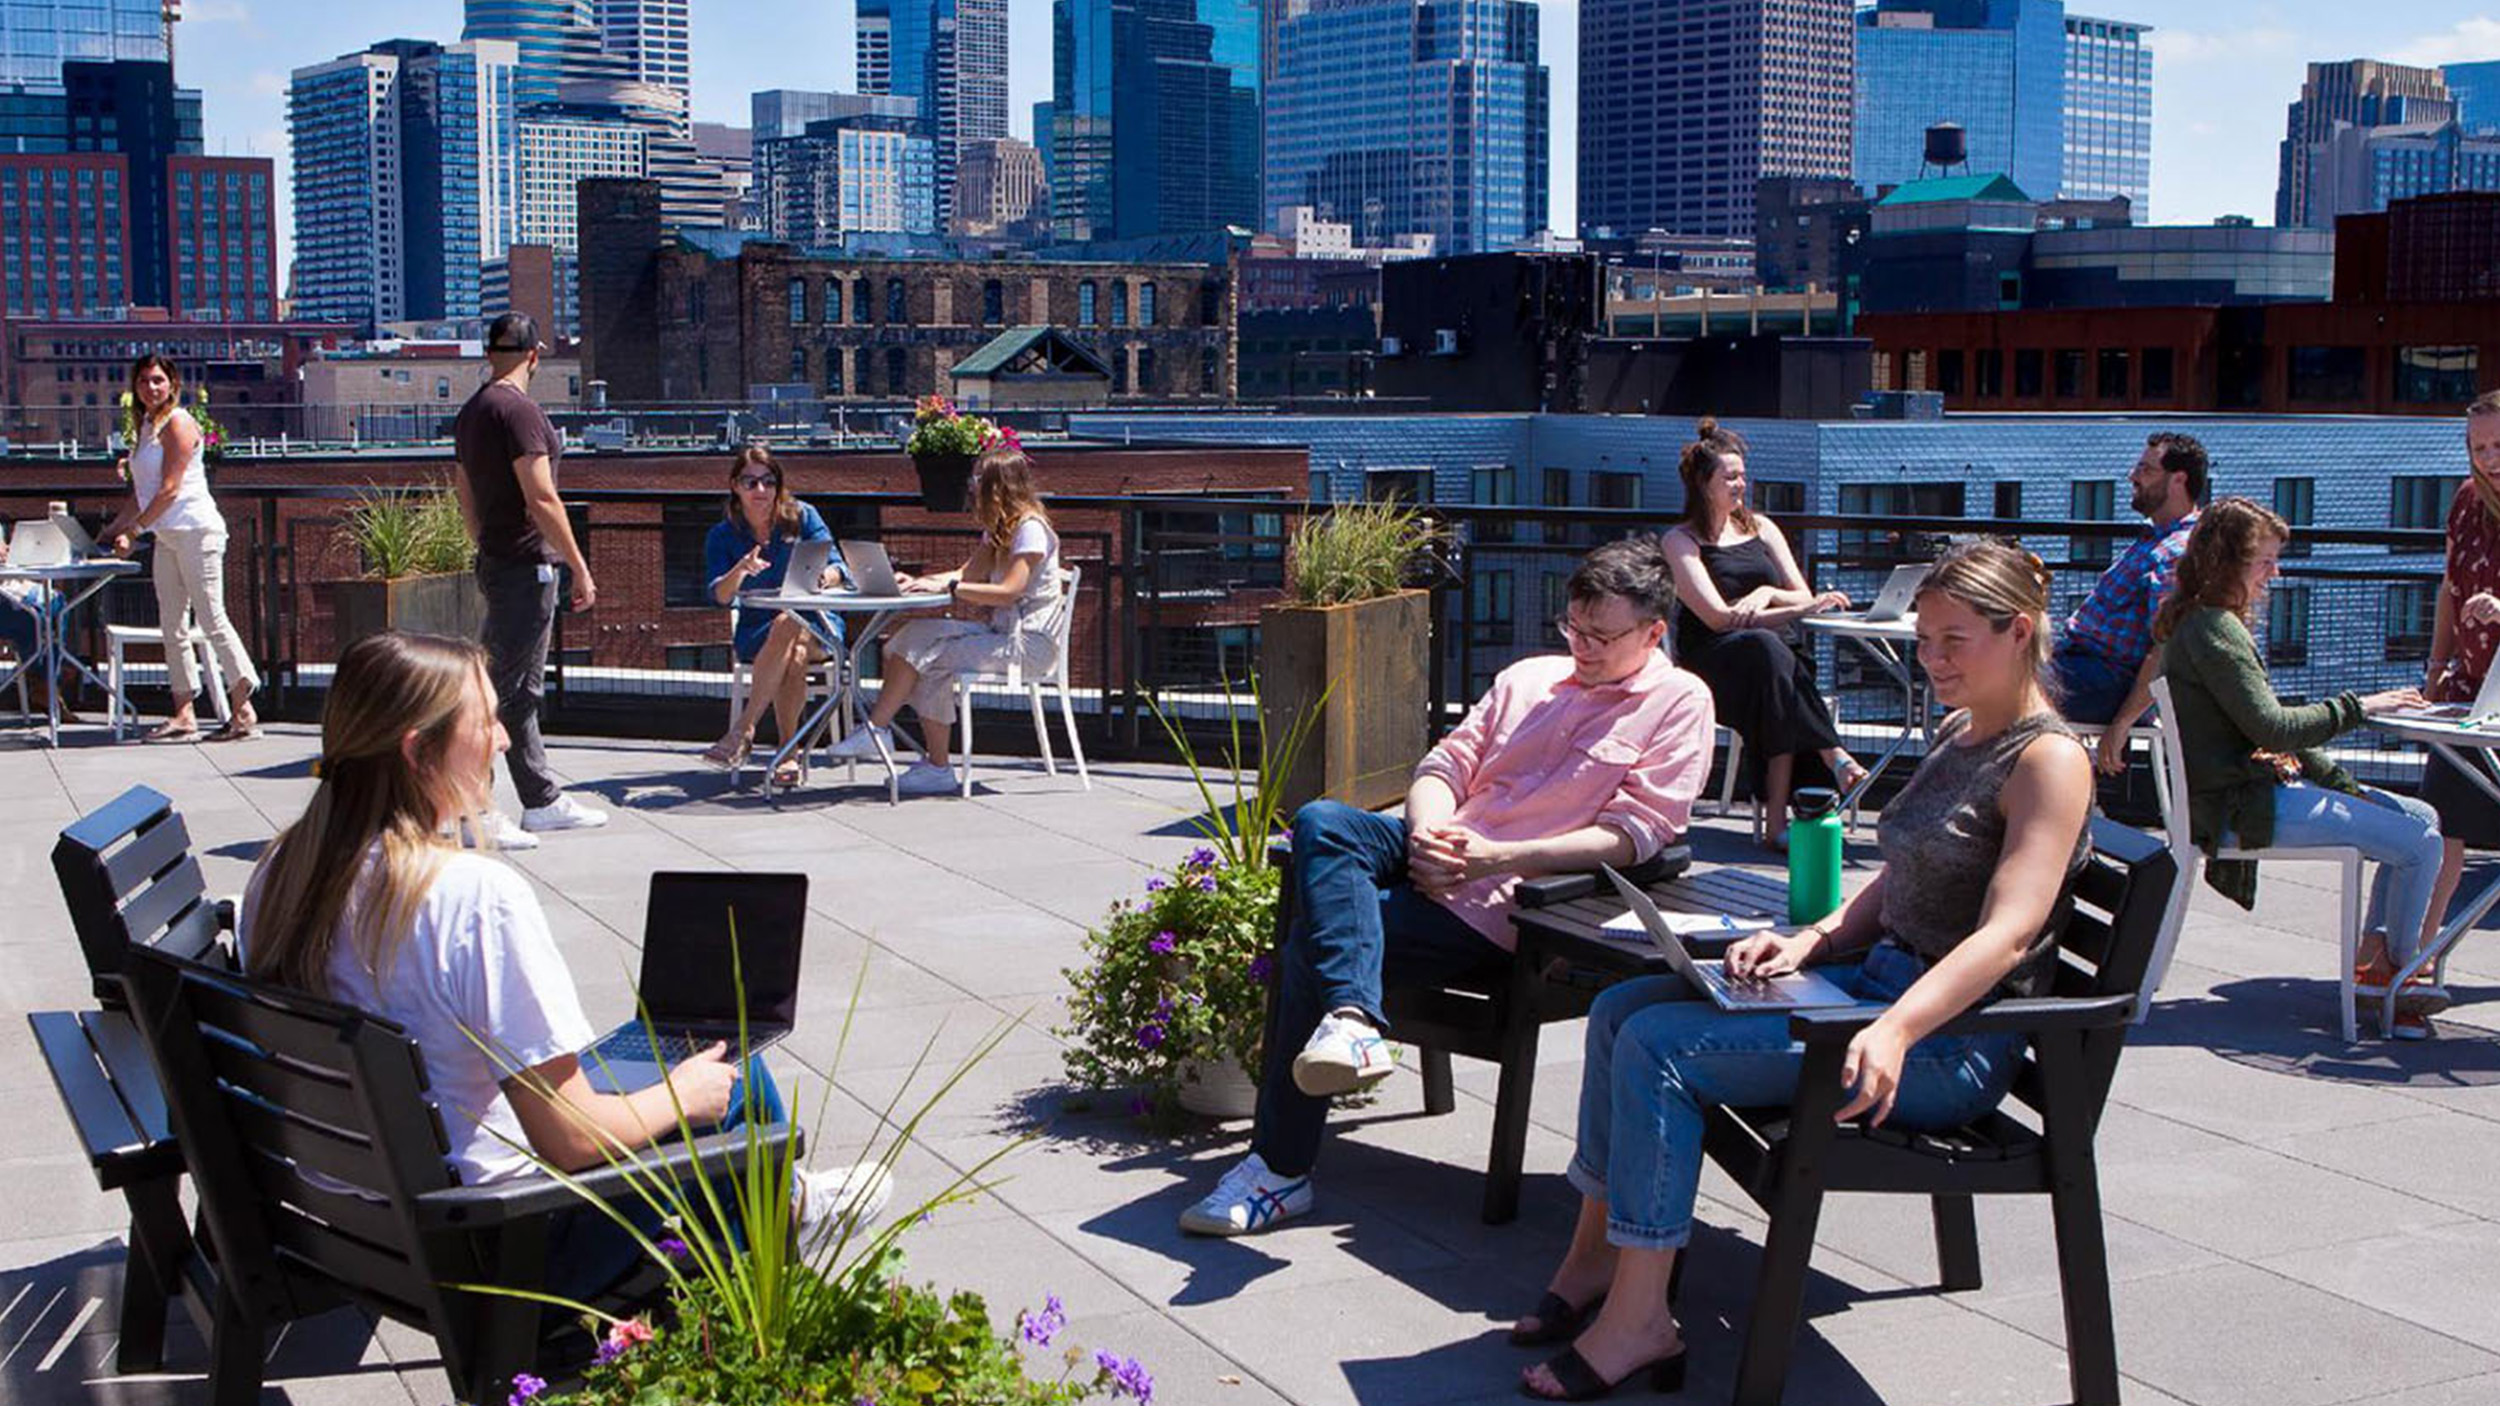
191	579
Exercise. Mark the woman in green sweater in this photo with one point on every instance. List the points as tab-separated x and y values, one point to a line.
2255	775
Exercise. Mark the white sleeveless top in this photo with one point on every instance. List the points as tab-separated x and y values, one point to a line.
192	507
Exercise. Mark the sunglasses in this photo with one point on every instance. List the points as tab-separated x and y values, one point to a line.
758	481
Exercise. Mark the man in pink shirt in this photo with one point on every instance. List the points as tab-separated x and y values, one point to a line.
1568	762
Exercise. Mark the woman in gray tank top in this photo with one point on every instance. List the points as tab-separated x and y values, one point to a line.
1977	848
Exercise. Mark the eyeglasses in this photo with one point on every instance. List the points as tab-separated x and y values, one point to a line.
758	481
1575	636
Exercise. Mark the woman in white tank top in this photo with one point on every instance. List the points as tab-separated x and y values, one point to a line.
171	500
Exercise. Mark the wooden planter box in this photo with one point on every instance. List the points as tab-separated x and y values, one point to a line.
1377	655
448	604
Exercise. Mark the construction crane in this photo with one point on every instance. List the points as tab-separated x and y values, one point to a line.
171	13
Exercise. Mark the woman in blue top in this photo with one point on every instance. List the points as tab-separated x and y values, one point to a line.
748	551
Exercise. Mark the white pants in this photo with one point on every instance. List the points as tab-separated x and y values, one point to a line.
191	578
941	649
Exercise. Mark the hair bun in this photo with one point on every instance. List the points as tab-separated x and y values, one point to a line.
1708	428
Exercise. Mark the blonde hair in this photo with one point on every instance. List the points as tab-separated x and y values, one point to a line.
2215	565
1003	496
1997	581
2488	403
388	686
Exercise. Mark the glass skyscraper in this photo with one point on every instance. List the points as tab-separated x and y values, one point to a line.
652	37
1399	117
1685	105
2109	113
1996	67
38	36
951	55
1155	117
559	42
2476	89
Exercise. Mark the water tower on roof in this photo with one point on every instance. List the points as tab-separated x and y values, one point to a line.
1947	152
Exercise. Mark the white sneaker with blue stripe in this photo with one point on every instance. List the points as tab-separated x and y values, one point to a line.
1345	1054
1248	1200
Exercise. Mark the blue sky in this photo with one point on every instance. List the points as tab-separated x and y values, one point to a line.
2223	72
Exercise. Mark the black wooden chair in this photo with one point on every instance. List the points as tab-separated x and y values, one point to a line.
2038	1144
1494	1019
130	881
268	1089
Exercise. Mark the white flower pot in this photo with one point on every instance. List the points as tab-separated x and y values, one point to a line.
1219	1090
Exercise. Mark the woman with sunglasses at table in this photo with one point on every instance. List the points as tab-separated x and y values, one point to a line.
748	550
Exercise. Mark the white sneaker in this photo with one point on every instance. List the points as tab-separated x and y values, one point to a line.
927	779
867	743
501	833
1344	1054
1248	1200
562	813
835	1198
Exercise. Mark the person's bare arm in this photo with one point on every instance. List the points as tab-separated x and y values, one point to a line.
180	436
2111	755
1007	589
468	504
1694	590
538	490
592	1124
1794	599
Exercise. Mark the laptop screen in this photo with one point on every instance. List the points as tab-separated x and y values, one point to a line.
687	973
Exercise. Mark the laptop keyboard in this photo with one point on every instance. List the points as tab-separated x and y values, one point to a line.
636	1043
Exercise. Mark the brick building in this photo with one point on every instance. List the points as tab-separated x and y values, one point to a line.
2435	248
712	316
62	379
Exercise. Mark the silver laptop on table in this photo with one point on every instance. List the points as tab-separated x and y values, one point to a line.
871	571
1803	990
1893	600
2484	709
806	571
58	541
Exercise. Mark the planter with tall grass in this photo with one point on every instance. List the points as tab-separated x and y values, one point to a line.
416	555
1352	647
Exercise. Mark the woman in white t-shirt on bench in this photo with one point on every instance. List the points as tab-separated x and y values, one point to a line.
1006	600
454	948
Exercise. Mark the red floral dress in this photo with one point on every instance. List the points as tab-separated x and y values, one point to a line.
2466	812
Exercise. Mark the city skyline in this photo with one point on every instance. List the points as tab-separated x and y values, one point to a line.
2225	72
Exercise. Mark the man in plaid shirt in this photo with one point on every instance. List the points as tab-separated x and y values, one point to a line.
2105	662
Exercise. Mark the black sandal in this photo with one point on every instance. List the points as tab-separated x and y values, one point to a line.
1580	1381
1556	1320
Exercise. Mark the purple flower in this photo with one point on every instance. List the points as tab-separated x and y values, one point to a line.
1149	1035
1163	941
1262	966
1156	886
1128	1377
1139	1105
1206	883
672	1247
1039	1328
1202	858
524	1387
1163	1009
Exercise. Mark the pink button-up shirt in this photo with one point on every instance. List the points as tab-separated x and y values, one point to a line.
1542	754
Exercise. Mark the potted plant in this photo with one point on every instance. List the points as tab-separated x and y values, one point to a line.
943	444
1346	601
416	556
1172	1000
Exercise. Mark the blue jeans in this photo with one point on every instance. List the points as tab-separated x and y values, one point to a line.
1659	1055
588	1253
2399	832
1358	926
2088	685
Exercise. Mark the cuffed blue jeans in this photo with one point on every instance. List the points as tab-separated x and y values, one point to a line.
2399	832
1660	1053
1359	926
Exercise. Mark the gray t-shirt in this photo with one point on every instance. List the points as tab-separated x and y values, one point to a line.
1941	838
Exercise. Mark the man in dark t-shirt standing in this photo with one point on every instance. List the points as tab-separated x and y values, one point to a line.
507	484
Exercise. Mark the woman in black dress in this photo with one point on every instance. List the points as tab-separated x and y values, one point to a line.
1741	594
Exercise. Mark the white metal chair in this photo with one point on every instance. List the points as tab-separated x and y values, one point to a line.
1726	803
2184	850
1015	679
117	641
824	680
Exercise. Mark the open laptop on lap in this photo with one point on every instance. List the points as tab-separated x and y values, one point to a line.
1802	990
1893	600
690	983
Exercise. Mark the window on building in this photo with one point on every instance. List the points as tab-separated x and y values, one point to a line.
683	527
2069	364
1557	488
1614	489
859	305
699	658
1085	303
1494	486
2092	500
697	304
1146	383
833	371
2287	626
798	366
442	388
894	369
1991	373
2296	502
1145	305
1211	303
2327	375
2030	373
2159	372
2109	373
1397	483
1779	497
1119	302
993	302
1949	371
798	301
833	300
2008	500
2436	375
1209	372
895	307
1491	617
2419	500
2411	606
1880	545
1119	370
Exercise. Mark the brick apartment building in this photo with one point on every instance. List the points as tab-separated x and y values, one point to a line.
64	379
714	317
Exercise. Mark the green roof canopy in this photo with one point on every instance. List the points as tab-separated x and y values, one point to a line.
1937	192
1032	351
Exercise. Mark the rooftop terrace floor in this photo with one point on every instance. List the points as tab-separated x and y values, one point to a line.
2290	1221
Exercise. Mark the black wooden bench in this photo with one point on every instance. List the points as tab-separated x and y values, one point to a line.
130	881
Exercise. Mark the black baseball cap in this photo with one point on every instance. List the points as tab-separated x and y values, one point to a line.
512	332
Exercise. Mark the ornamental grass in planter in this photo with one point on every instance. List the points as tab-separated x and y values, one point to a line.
415	549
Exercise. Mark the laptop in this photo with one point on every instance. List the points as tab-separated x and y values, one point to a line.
1893	601
805	572
688	981
58	541
872	573
2484	709
1803	990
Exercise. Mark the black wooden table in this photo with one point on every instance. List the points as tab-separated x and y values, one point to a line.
1568	934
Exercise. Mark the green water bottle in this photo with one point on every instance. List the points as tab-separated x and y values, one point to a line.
1813	855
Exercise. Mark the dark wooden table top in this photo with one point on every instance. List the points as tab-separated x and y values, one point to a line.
1570	931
